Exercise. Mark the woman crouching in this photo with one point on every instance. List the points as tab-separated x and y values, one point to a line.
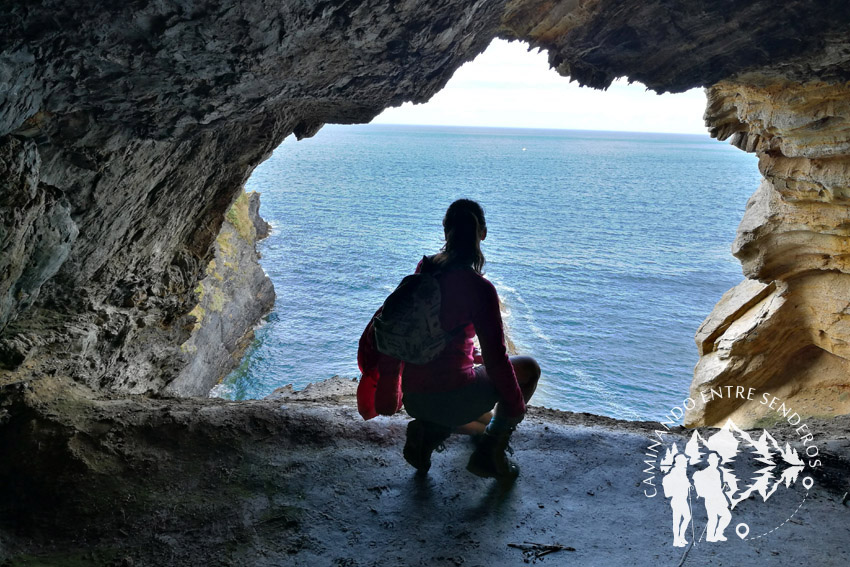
452	393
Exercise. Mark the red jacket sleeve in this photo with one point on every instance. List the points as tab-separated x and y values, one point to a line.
491	335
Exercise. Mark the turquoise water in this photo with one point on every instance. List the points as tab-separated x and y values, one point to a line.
608	249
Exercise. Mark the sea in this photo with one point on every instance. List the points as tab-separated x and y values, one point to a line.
608	249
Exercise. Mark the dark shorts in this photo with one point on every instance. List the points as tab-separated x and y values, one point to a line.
455	407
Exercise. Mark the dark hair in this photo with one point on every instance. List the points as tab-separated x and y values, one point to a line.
463	225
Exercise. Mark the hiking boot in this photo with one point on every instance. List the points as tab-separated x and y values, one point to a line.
423	437
489	459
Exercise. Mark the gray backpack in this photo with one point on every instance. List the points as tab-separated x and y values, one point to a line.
408	327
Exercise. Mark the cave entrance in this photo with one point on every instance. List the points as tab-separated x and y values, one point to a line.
610	214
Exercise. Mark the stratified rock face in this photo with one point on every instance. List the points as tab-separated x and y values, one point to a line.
127	130
235	294
35	228
261	228
790	334
677	45
116	312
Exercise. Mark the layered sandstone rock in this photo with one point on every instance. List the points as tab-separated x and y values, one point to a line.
790	334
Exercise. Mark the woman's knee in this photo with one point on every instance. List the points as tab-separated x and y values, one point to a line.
526	369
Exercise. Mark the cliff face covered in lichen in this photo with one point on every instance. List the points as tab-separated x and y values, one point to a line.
127	131
233	296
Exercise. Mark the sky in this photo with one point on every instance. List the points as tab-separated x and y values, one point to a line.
508	86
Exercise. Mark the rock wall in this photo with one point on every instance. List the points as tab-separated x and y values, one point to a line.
232	298
116	309
127	131
786	329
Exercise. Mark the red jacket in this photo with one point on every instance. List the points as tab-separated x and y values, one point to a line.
469	301
379	390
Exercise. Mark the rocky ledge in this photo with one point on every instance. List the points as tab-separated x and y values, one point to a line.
302	480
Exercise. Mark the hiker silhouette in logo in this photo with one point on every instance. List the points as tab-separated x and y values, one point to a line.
454	391
709	486
677	488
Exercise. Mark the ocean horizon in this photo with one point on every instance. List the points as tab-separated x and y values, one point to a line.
608	250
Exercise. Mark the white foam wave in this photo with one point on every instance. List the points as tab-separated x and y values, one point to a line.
222	390
510	295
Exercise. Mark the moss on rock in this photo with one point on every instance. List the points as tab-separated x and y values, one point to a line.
239	217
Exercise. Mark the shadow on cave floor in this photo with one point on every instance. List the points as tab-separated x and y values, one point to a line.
144	481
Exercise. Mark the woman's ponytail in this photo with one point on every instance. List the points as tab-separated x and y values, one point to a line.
464	227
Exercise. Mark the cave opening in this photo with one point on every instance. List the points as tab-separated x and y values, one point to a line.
608	247
128	129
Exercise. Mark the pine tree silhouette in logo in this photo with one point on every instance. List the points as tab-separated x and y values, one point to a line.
713	477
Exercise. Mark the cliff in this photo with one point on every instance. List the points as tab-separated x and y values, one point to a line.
304	481
232	298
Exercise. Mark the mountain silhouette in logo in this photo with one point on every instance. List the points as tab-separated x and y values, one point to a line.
769	464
